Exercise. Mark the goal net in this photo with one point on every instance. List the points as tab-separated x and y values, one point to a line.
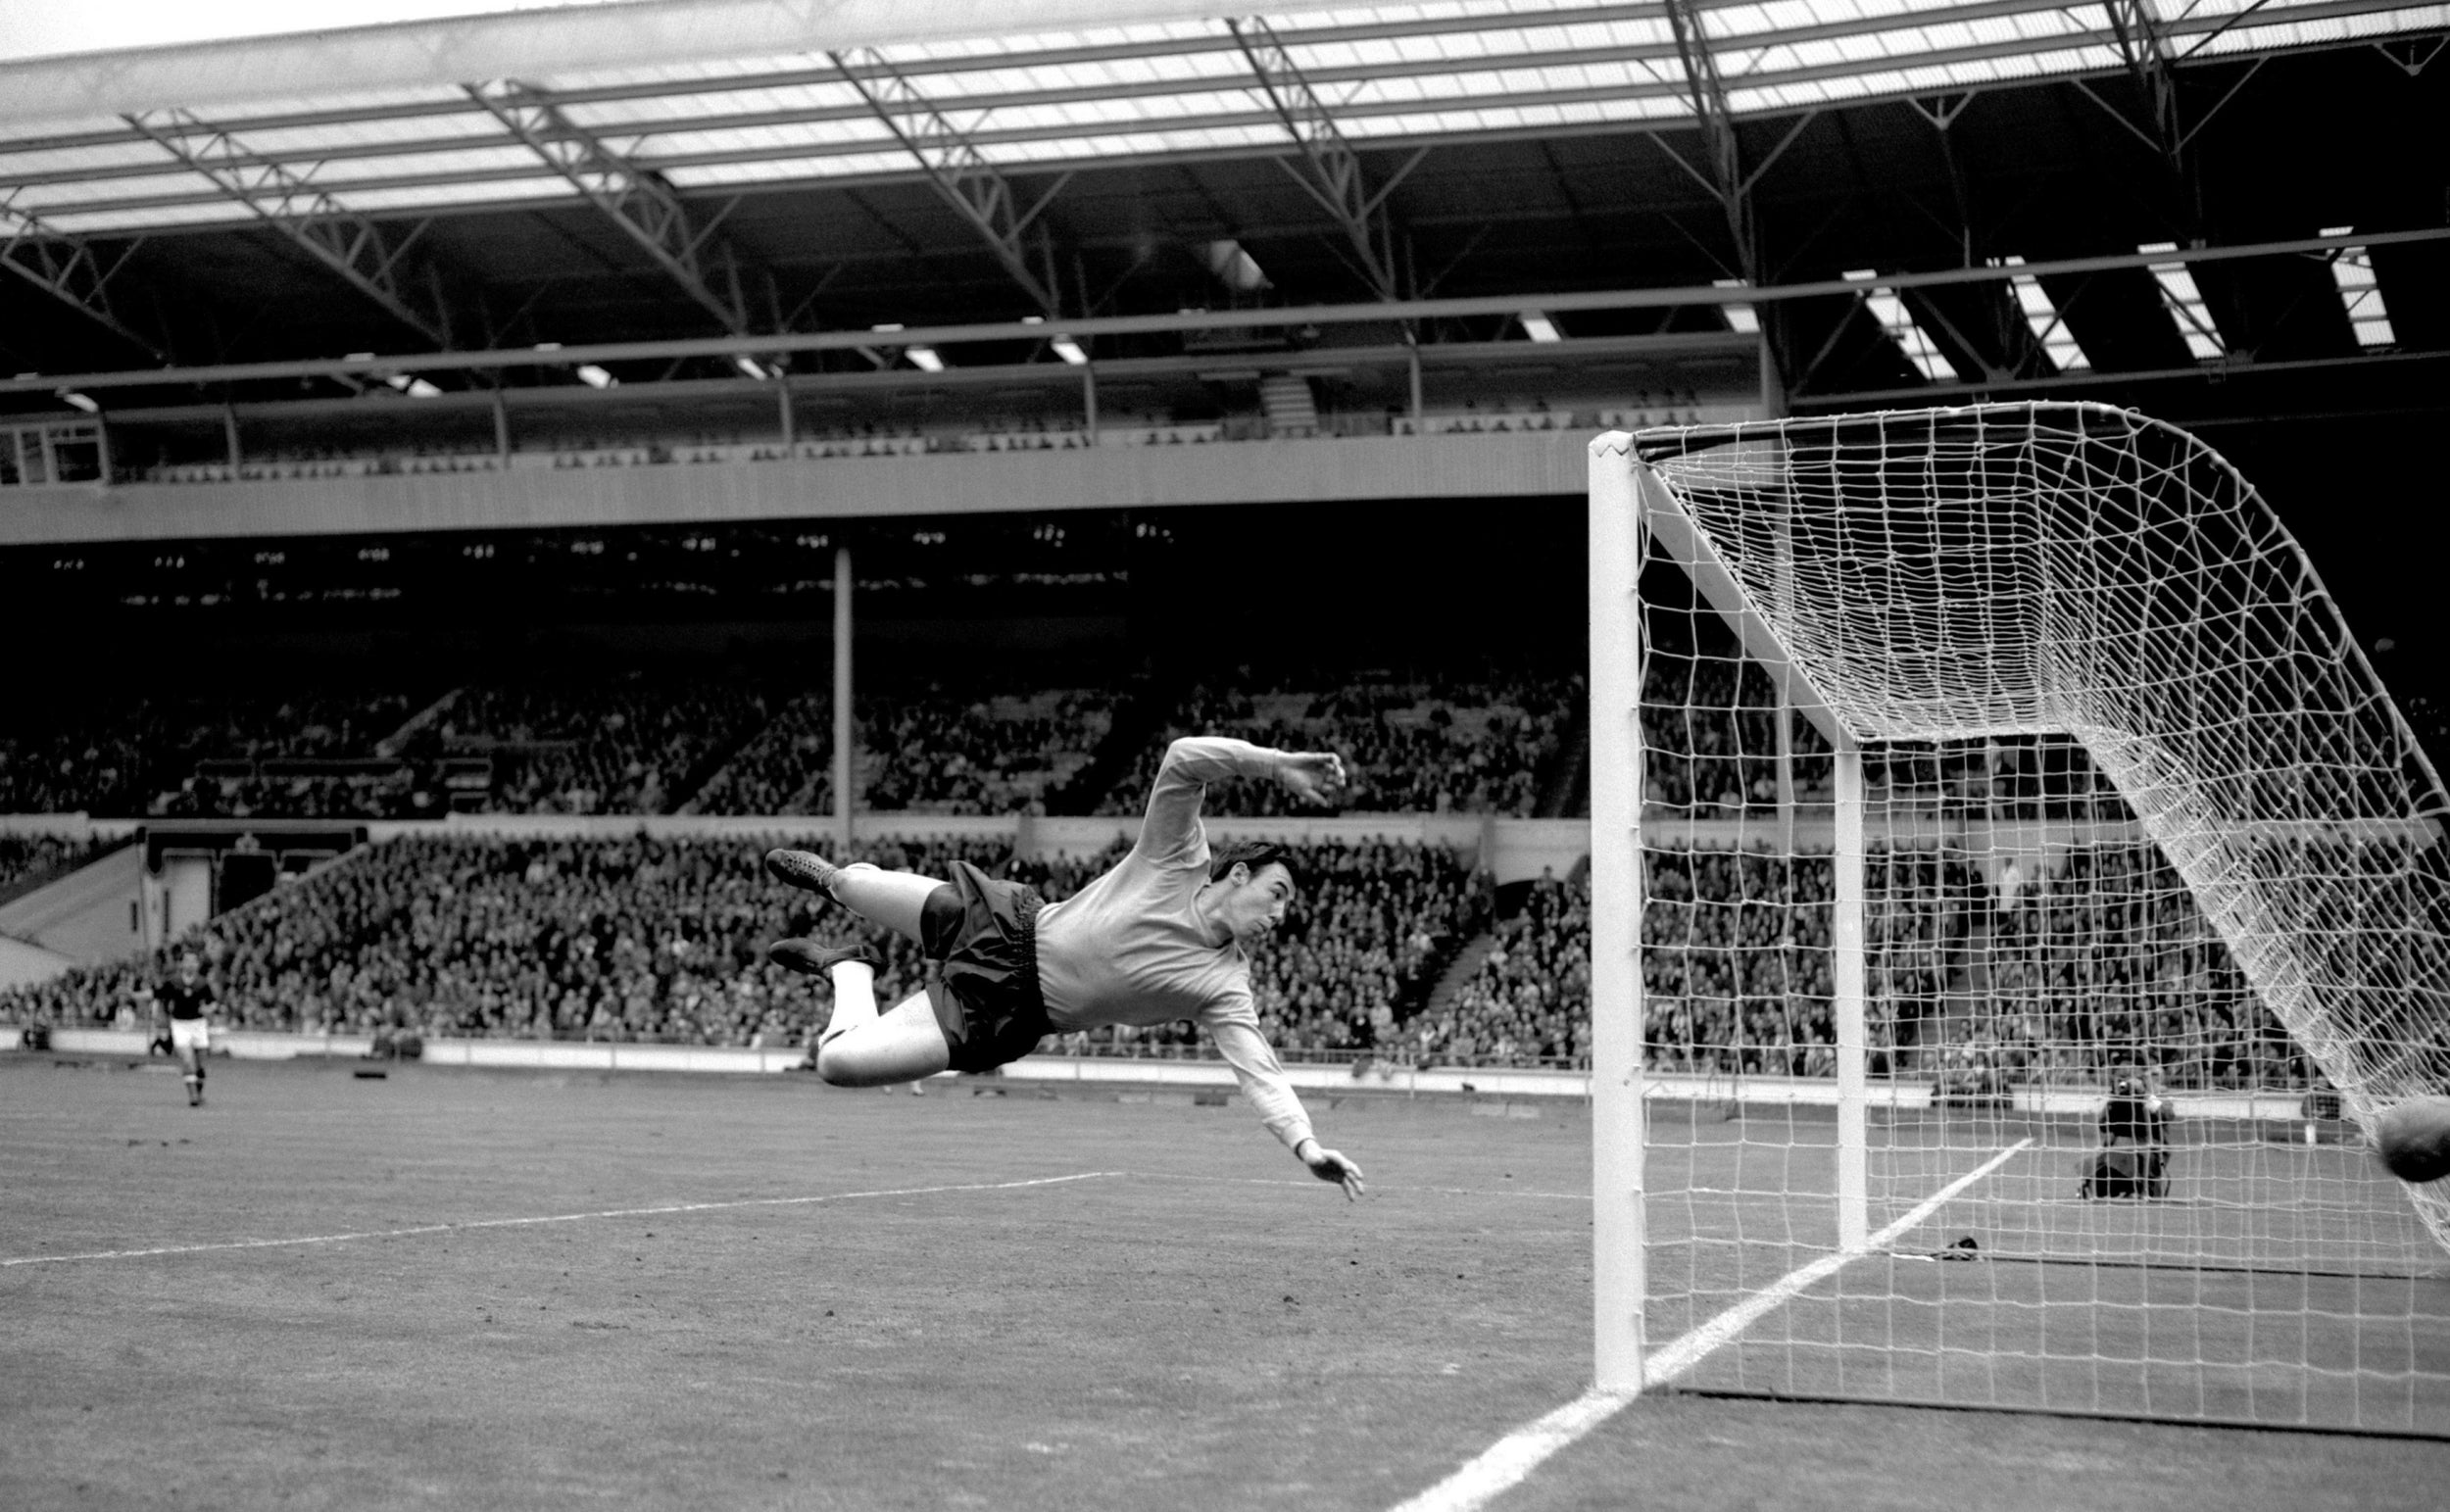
2013	895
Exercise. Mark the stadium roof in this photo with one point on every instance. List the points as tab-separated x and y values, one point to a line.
240	210
1171	90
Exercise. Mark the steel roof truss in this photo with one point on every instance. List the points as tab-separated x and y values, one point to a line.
962	175
358	249
637	199
70	269
2414	54
1334	175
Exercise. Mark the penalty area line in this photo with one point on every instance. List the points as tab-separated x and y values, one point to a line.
472	1224
1505	1464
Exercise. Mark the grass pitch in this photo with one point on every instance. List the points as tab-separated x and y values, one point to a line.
481	1289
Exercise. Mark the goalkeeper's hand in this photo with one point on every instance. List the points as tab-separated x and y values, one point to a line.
1313	775
1329	1165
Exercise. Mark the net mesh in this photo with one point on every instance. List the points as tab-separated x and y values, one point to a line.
2154	904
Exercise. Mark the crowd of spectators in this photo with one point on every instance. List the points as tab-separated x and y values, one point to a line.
1374	922
636	740
1709	727
640	938
2096	961
181	750
1709	730
1527	1001
28	860
2105	960
945	754
1488	744
785	768
385	791
2100	962
58	757
930	753
626	939
636	744
1737	973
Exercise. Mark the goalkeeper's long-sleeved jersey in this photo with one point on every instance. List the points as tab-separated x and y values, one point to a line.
1131	949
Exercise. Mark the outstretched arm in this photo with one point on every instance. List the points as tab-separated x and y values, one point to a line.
1235	1030
1170	834
1330	1165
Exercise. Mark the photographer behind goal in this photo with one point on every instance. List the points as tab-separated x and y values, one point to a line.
2133	1161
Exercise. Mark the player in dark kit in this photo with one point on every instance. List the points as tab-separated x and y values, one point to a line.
1163	936
2135	1143
186	998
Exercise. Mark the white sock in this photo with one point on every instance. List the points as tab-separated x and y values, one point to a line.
854	997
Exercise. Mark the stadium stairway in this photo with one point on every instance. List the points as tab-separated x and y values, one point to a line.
398	740
1292	408
683	796
1461	968
1138	716
1566	792
89	915
24	963
1965	988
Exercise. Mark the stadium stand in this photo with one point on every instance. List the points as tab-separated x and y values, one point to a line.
663	939
2096	963
720	741
943	753
1411	743
2019	989
975	430
27	861
637	744
1527	1003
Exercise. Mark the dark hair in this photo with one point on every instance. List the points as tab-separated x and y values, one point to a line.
1254	853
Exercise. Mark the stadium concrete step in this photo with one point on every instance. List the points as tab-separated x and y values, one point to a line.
24	963
397	741
1292	408
1461	969
1139	716
1566	791
90	916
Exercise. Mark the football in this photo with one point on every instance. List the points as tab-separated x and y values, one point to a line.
2414	1139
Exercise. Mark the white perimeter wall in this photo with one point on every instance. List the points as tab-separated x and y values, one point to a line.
1499	1083
1313	473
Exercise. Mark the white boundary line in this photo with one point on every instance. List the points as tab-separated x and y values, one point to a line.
1279	1181
513	1223
1505	1464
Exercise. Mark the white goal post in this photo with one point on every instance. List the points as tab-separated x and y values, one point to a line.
2002	851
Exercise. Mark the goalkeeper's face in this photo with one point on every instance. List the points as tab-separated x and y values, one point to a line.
1253	904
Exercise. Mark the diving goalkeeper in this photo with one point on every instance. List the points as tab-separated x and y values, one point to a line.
1163	936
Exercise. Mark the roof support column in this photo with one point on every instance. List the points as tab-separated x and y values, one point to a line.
1729	183
846	728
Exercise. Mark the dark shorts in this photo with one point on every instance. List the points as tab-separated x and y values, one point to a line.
983	934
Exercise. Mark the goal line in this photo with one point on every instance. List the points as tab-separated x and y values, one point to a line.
1505	1464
